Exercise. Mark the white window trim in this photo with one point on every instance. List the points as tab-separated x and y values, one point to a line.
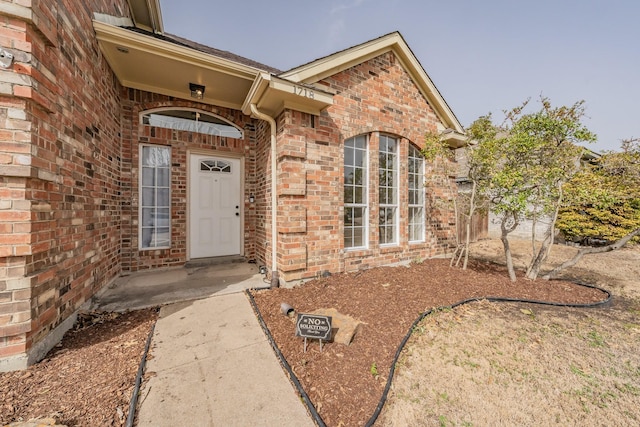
140	205
160	110
396	204
424	219
365	205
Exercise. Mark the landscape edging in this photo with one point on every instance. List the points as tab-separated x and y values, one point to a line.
312	410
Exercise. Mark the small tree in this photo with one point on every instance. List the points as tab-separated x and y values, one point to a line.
478	162
481	162
537	155
439	155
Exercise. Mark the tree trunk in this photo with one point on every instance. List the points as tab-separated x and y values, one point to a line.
457	256
541	256
547	243
472	208
507	249
534	228
586	251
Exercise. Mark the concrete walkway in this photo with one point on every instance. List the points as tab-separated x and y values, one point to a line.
211	364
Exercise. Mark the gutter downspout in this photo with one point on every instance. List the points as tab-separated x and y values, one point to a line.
275	280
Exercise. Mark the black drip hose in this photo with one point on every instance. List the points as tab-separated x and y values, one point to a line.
383	398
136	389
312	410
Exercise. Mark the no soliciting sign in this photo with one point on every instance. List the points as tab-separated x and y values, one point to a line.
313	326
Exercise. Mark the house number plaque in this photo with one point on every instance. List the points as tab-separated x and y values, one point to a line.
303	91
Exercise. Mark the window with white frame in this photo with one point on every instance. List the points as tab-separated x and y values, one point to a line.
187	119
155	198
355	192
388	190
416	195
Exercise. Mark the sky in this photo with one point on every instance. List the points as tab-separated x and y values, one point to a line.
483	56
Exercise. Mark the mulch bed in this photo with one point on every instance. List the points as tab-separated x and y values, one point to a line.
345	383
87	379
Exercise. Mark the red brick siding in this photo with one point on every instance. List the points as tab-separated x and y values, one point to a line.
69	148
59	169
262	205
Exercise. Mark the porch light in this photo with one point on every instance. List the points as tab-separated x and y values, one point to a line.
252	198
197	91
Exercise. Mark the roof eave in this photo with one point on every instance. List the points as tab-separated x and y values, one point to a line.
454	138
130	39
272	94
144	62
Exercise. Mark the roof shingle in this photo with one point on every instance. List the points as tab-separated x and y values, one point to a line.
223	54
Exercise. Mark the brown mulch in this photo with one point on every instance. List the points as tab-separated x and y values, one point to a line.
87	379
345	383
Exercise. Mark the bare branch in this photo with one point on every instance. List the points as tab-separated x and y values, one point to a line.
587	251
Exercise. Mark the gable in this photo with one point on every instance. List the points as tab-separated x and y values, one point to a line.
380	95
315	71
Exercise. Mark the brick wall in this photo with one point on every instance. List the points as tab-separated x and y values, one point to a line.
374	97
59	167
263	193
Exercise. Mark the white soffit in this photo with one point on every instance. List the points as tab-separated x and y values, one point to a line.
143	62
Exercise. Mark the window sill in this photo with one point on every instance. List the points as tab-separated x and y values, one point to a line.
159	248
357	252
390	249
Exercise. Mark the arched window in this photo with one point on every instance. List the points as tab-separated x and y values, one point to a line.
191	120
389	185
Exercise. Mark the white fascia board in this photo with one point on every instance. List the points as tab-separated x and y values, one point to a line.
260	84
340	61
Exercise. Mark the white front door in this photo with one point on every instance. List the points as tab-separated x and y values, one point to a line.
214	207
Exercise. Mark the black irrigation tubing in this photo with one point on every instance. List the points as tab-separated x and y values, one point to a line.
136	389
312	409
383	399
314	413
